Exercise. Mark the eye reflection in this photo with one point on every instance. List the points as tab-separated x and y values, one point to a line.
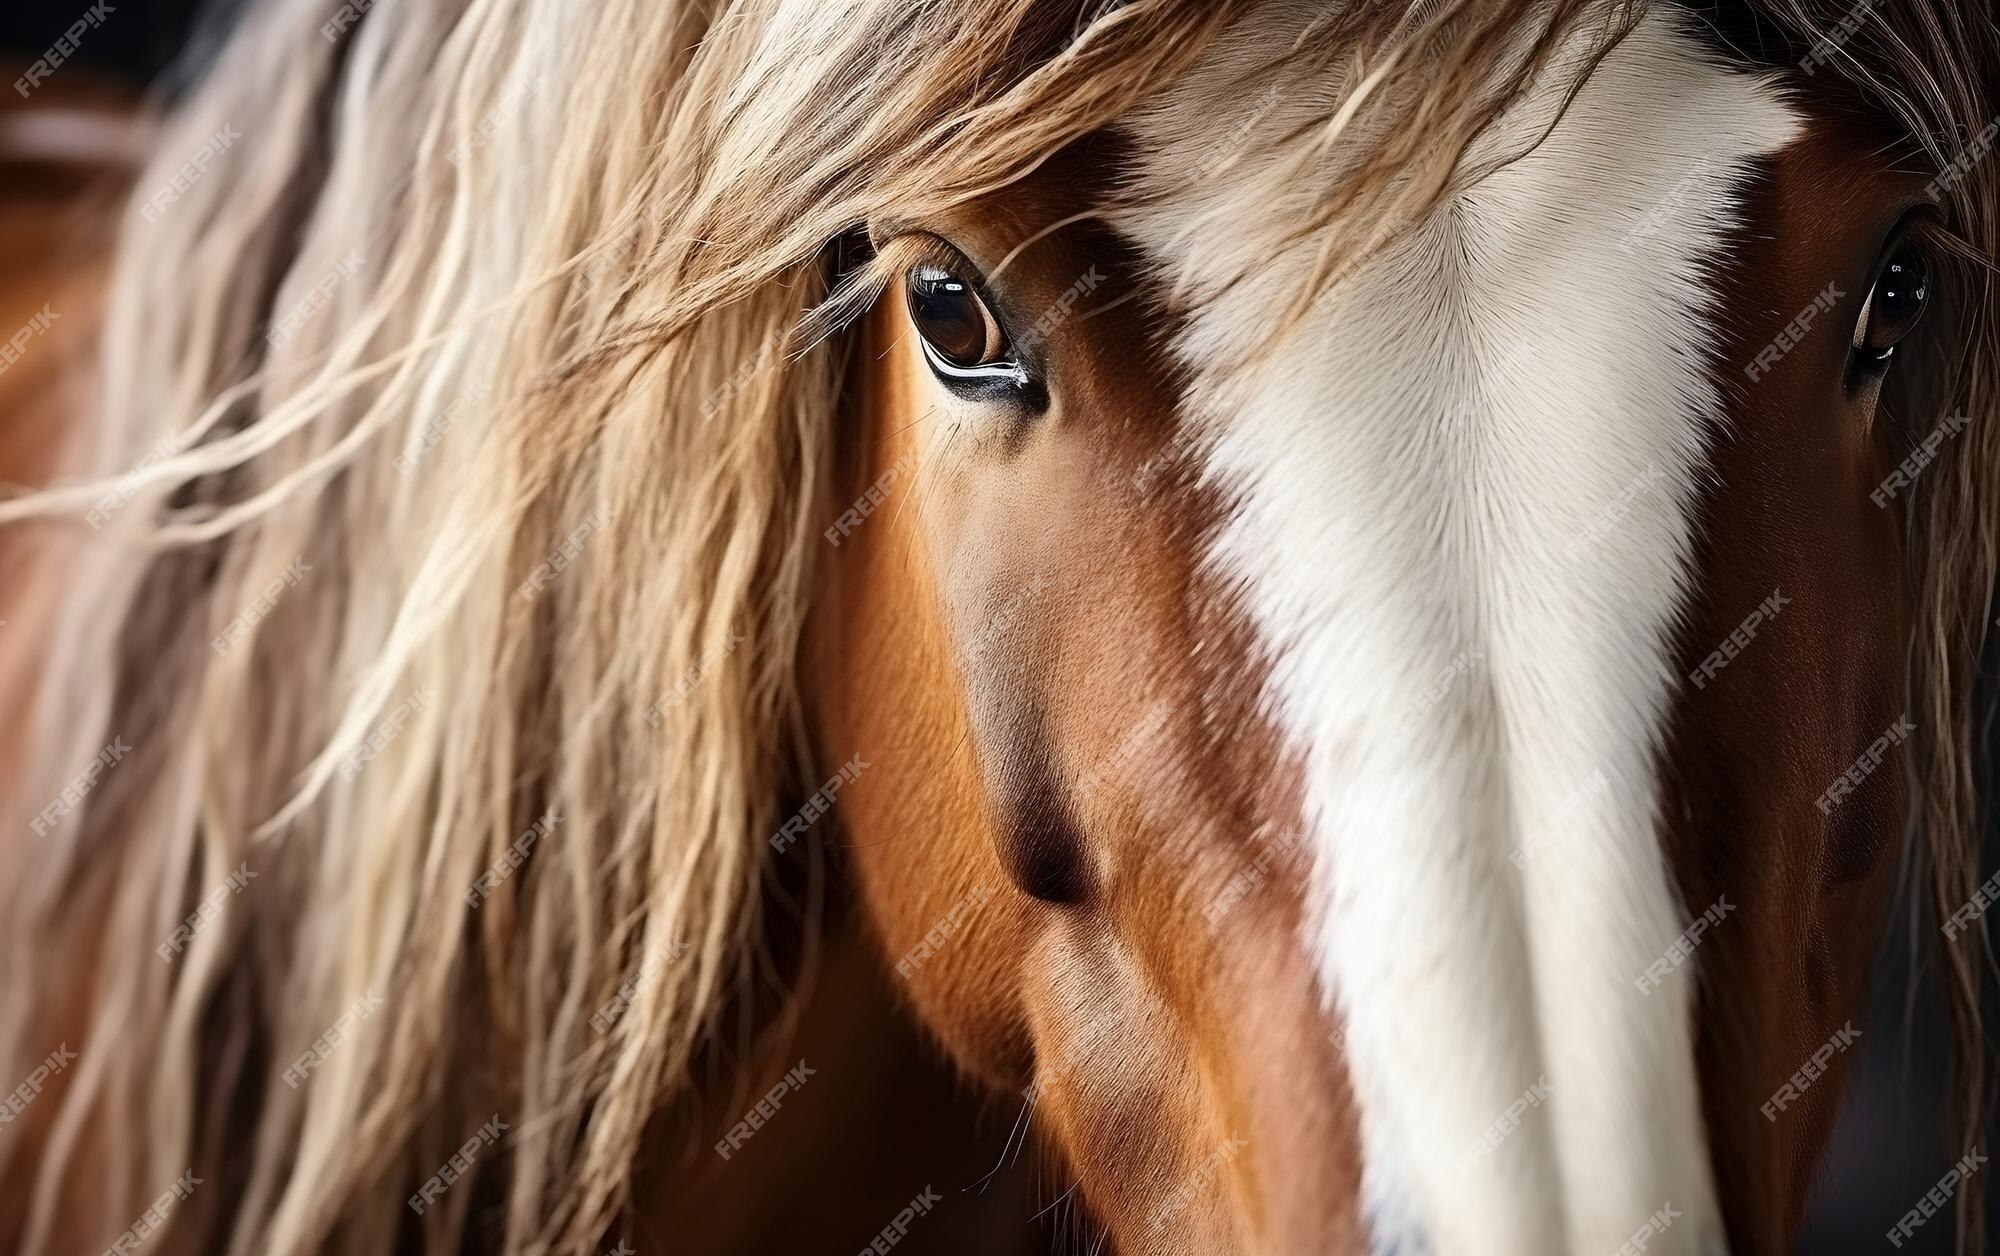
1895	304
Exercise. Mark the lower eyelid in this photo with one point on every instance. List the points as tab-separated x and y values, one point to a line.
1008	370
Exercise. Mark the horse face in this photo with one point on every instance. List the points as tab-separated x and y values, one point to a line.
1316	780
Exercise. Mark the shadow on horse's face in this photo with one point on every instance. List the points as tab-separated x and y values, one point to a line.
1317	780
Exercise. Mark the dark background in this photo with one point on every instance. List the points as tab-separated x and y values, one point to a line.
1891	1147
136	41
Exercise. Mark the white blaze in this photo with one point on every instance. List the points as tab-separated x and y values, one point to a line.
1463	532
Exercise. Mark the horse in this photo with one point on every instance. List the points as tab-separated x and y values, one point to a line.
1350	614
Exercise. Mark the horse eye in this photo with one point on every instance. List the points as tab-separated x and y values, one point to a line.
961	338
1895	304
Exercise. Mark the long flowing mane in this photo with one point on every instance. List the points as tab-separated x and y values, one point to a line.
453	420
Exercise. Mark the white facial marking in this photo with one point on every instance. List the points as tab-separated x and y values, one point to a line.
1463	533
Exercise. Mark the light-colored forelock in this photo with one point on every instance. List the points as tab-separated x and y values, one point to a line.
536	415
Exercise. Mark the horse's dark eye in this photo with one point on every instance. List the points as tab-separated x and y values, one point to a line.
1895	304
961	338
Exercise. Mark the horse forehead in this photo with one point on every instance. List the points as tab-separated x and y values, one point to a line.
1543	335
1460	525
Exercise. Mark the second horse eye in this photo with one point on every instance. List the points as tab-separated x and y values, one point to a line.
1897	301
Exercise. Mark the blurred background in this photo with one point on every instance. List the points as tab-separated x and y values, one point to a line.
1891	1148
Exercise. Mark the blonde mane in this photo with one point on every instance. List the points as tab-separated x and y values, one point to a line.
454	425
